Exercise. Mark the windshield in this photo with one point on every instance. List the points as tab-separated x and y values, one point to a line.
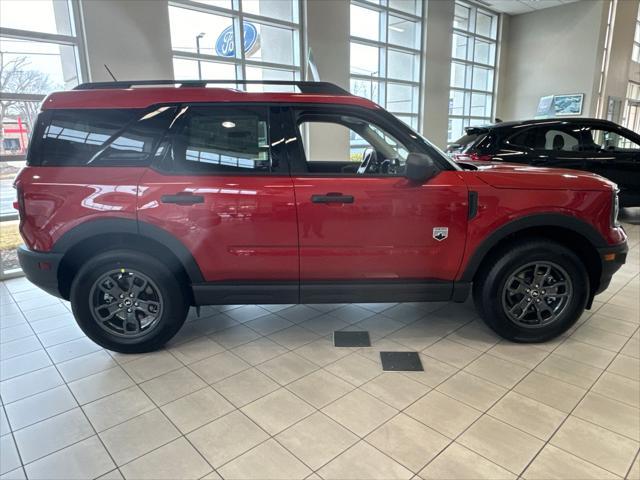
464	142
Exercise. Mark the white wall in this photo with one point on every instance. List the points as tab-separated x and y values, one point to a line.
327	34
435	100
551	51
131	36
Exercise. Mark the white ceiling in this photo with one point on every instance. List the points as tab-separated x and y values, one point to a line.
516	7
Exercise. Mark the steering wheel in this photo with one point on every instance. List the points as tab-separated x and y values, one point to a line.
369	163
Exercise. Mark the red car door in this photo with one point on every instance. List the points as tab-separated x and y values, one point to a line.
225	193
362	224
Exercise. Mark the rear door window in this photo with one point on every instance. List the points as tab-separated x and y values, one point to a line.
218	139
559	140
546	138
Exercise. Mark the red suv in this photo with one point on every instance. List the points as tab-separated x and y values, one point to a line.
137	203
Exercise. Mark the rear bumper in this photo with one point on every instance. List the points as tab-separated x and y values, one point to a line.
611	258
41	269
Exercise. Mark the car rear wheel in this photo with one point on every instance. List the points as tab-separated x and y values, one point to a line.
533	292
128	302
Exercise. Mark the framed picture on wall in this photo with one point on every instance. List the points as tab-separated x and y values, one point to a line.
568	105
544	107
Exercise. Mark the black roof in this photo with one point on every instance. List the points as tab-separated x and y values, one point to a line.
547	121
304	87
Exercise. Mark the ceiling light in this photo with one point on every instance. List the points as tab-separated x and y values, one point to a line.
228	124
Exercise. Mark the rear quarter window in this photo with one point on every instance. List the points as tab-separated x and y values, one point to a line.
100	137
467	140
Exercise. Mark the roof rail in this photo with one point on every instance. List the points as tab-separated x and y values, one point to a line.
304	87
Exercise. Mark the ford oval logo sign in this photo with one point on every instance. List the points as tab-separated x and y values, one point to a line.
225	45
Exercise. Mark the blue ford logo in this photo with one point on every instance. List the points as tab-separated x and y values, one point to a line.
225	45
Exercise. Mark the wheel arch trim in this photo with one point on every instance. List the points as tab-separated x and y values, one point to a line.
110	226
561	221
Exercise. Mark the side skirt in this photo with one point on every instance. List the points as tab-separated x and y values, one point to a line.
329	292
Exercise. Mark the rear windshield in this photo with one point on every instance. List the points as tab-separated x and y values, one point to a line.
466	141
101	137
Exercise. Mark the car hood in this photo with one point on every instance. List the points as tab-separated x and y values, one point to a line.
511	175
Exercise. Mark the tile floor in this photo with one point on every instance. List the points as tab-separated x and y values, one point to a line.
260	392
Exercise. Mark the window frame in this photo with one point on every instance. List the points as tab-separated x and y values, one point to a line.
295	148
238	16
471	64
383	45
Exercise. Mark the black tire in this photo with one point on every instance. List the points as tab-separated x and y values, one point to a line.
492	300
171	294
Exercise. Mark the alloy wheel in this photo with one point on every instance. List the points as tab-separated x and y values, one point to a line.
126	303
536	294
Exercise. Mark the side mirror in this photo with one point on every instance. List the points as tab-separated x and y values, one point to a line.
420	167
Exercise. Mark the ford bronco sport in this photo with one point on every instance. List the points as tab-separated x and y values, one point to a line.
137	203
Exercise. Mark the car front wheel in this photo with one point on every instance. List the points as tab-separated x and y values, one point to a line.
128	302
533	292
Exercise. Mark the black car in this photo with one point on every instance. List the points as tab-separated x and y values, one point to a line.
597	146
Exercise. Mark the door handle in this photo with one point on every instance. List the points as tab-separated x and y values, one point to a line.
182	198
332	197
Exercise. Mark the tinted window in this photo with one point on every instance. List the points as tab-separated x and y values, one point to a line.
546	138
466	141
524	138
559	140
598	139
221	139
100	137
138	141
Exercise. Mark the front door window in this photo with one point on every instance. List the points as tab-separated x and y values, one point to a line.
359	147
610	141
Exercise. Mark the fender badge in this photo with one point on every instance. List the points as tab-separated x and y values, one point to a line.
440	233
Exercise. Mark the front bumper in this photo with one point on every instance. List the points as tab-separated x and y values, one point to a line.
41	269
611	258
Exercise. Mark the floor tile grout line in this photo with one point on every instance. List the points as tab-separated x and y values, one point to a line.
15	444
579	401
300	420
160	411
398	412
636	458
531	369
359	387
81	409
599	346
571	413
239	409
338	359
139	383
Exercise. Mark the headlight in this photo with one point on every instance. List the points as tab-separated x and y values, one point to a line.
615	208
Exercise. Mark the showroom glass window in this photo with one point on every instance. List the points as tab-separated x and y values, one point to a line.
39	53
473	66
635	54
385	52
204	36
631	113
